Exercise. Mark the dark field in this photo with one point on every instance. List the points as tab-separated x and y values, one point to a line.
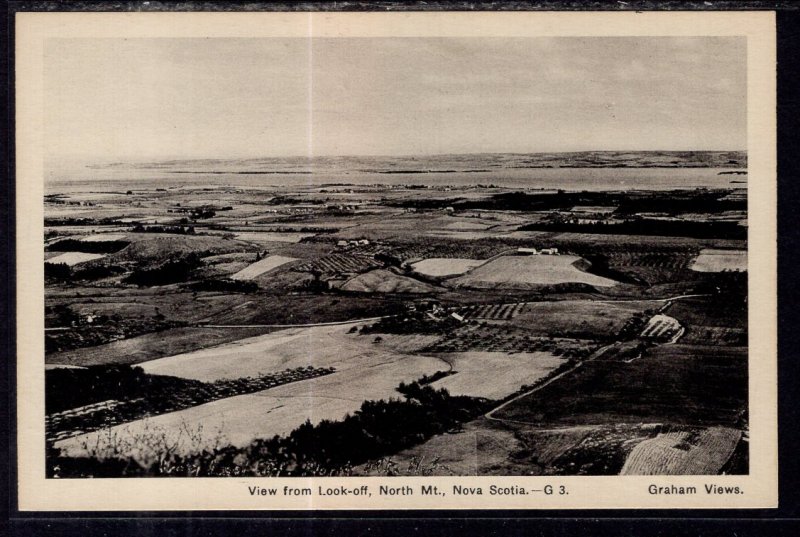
680	384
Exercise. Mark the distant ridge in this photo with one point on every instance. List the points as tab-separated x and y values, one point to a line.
447	163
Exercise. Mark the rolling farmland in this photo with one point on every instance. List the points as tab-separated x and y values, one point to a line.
385	281
364	371
442	267
530	270
625	353
683	453
260	267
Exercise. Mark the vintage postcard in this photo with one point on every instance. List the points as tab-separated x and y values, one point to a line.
294	261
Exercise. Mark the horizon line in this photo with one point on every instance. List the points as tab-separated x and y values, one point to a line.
377	155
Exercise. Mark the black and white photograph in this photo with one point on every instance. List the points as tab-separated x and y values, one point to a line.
400	256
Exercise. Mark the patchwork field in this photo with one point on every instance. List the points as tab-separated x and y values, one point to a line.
530	270
364	371
424	274
440	267
715	260
260	267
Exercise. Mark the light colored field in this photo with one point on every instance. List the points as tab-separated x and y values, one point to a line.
593	209
438	266
65	232
676	453
466	226
713	260
407	343
494	375
531	269
661	327
104	237
95	196
260	237
364	371
74	258
384	281
260	267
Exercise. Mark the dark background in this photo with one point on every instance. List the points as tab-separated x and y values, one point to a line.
767	522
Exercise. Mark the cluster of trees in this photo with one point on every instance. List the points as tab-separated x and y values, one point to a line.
681	202
70	221
599	265
426	380
67	388
57	271
173	271
177	230
416	322
89	247
65	273
377	429
203	212
225	286
634	326
648	226
670	202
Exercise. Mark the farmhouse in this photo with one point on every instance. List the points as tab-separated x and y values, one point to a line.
534	251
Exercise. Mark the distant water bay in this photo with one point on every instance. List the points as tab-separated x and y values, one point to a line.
116	178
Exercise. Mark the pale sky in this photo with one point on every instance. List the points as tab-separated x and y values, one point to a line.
117	99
